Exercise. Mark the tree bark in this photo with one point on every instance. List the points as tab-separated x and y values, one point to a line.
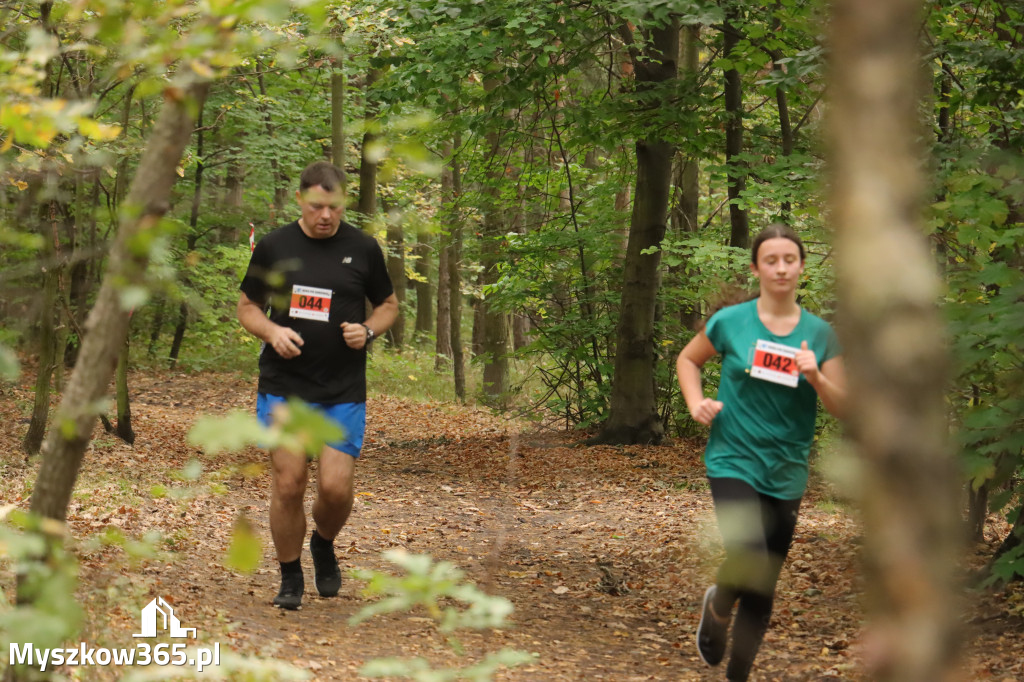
107	325
782	103
46	340
633	415
739	235
338	122
494	322
894	340
179	336
396	270
124	406
193	238
686	211
368	159
424	290
443	333
455	280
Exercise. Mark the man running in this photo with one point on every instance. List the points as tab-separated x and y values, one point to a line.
314	276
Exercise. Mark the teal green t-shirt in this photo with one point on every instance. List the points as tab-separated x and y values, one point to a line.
764	432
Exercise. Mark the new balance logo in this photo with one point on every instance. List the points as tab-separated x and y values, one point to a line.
158	615
346	260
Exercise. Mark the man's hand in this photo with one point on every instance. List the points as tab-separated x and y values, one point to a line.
355	335
706	410
807	363
285	341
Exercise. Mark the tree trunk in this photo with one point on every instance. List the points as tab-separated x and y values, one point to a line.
179	336
455	280
520	331
443	320
494	322
739	235
686	213
633	415
368	158
46	343
476	342
443	333
977	499
193	238
782	102
424	290
338	122
124	407
107	326
894	340
396	270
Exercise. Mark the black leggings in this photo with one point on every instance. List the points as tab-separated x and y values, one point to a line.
757	531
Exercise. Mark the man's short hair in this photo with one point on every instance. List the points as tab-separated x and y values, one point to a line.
323	174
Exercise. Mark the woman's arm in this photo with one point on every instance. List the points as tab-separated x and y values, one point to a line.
688	365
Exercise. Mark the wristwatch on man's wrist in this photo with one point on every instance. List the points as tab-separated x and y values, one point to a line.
370	335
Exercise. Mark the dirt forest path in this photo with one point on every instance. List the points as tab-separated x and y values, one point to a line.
604	551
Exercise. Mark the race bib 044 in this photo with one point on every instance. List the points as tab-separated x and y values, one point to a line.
310	303
776	363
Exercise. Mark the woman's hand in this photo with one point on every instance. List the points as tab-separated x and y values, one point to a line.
807	363
706	410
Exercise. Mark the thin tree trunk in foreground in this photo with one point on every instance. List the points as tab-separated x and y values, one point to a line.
107	325
894	341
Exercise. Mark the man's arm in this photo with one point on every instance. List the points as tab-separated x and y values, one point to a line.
380	320
284	340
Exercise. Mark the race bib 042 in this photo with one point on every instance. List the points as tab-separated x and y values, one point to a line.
310	303
776	363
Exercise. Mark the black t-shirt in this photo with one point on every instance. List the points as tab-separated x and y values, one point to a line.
312	286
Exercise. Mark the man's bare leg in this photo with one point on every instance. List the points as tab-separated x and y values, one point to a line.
288	523
331	509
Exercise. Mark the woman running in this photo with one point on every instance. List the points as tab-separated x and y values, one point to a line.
777	360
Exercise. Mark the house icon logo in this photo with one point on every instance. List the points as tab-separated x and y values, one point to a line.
158	615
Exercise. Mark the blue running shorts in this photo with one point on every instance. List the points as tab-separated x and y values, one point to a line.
349	416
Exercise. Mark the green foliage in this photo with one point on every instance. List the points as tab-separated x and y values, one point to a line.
10	367
47	613
976	223
419	669
245	551
427	584
432	585
559	279
297	428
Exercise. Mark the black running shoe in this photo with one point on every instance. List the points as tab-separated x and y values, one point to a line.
325	566
290	596
712	634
